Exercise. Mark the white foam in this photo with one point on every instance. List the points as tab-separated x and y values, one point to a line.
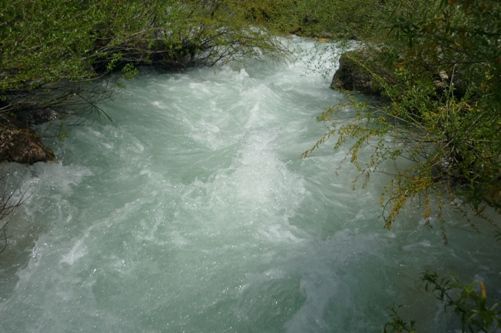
77	252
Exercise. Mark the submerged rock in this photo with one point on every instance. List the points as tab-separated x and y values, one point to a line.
23	146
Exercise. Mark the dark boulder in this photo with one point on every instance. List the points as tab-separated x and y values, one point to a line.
353	75
364	71
28	118
452	81
23	146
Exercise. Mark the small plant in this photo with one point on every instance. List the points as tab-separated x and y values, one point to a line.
397	325
469	302
8	203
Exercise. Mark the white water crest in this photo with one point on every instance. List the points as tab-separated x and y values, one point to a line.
193	212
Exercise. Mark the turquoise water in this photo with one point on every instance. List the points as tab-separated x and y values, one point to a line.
193	212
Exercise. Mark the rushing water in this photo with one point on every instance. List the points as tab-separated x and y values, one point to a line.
193	212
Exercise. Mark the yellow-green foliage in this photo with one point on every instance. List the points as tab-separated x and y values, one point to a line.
439	64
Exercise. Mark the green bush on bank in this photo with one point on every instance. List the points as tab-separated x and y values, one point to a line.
45	42
439	64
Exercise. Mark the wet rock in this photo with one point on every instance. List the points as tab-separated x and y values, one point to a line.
352	75
28	118
23	146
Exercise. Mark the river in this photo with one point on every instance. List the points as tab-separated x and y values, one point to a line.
193	211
